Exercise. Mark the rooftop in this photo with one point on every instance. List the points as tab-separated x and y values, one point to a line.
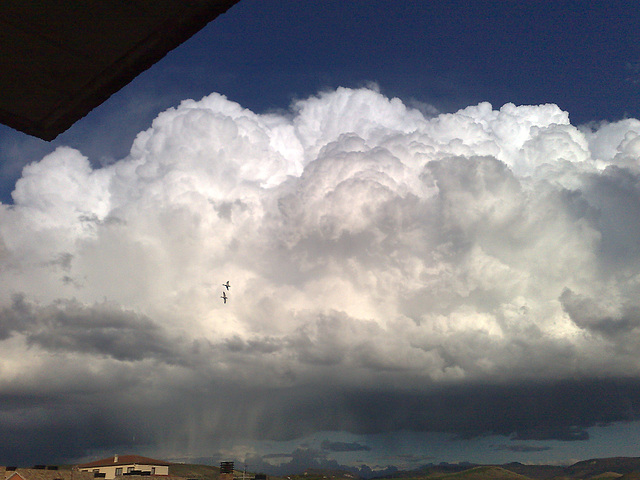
46	474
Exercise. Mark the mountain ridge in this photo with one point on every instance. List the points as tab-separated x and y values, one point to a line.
609	468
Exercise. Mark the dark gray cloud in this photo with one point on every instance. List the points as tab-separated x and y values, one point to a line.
344	446
102	329
543	412
300	460
307	459
521	448
588	313
15	318
559	411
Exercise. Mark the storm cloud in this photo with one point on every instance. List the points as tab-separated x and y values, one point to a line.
471	273
343	446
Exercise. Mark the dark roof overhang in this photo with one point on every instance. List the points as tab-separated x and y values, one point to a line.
59	60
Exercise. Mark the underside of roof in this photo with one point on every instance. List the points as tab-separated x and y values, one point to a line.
59	59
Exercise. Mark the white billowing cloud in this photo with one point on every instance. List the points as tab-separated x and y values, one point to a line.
614	142
366	246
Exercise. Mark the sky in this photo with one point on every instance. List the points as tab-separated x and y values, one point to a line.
428	214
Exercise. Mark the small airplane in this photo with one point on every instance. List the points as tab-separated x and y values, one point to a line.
226	285
224	297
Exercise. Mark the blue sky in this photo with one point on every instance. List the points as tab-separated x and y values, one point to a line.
428	213
581	56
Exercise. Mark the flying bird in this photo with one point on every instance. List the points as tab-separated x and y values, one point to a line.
226	285
224	297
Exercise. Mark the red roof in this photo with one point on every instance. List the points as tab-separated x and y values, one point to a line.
40	474
124	460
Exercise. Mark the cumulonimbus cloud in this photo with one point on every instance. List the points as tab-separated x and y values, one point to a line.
368	247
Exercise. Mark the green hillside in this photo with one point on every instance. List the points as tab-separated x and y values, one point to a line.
207	472
321	474
188	470
482	473
616	468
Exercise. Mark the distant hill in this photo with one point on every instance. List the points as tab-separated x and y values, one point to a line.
483	473
429	471
542	472
631	476
614	468
189	470
598	466
208	472
607	476
322	474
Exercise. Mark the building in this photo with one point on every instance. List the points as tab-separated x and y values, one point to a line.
121	465
43	473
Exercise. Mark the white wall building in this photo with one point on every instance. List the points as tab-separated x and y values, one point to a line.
118	466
